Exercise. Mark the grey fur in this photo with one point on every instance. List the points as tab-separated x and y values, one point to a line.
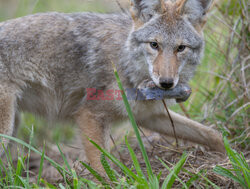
145	10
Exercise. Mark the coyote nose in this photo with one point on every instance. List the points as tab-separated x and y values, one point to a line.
166	83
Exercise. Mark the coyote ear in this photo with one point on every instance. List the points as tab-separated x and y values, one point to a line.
196	10
143	10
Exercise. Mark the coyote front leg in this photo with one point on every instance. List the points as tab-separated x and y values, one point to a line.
7	112
186	129
92	127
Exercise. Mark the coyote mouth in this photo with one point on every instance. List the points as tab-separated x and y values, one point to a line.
150	91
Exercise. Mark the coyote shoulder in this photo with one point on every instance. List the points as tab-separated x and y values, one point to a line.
49	60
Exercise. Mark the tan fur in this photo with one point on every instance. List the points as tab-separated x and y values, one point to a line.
6	114
91	128
180	6
171	12
7	111
166	68
163	6
185	128
136	21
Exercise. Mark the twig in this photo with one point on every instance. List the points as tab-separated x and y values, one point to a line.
116	149
231	39
145	136
216	17
120	6
237	111
243	74
184	110
152	152
164	138
172	123
235	100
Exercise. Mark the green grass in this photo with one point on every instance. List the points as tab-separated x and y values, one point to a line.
241	169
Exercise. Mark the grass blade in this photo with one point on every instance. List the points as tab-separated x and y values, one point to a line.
227	173
90	183
159	175
3	171
56	165
48	185
127	171
133	122
154	183
239	164
9	172
191	180
110	172
209	181
76	184
20	166
41	165
247	170
64	158
169	181
24	182
95	174
61	186
28	159
135	161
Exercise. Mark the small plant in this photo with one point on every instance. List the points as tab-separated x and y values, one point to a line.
241	170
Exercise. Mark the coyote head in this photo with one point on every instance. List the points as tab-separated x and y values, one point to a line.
167	35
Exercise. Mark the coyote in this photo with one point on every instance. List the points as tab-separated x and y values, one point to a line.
49	60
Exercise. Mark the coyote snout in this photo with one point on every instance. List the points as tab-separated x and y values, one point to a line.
166	83
165	70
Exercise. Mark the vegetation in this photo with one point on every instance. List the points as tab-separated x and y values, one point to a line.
220	98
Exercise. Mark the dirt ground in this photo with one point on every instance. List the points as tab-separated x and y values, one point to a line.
156	145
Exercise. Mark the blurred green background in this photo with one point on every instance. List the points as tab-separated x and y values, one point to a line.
220	95
16	8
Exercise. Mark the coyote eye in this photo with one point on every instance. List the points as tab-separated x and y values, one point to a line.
181	48
154	45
